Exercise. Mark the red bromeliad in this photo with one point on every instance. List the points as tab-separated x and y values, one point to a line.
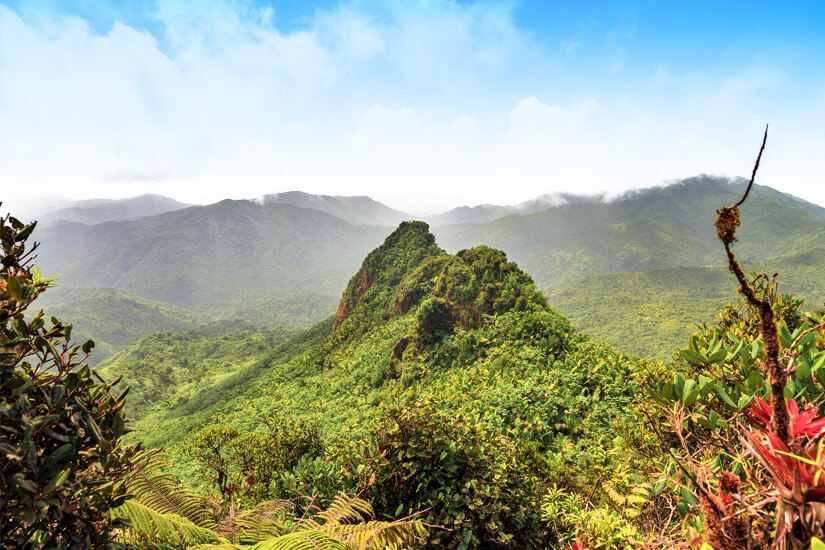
783	463
804	423
798	470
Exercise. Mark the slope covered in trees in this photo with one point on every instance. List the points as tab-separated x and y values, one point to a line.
653	229
430	355
652	313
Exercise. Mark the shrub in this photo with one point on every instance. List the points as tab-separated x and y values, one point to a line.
63	463
461	476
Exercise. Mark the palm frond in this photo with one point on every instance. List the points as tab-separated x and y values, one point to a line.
163	531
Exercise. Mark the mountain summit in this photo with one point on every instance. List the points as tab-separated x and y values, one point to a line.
355	210
409	272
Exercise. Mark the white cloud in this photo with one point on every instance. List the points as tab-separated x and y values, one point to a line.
423	105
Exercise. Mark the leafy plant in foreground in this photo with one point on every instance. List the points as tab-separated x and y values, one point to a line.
165	515
62	461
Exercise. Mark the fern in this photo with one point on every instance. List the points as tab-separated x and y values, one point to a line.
298	540
162	530
383	535
167	516
344	520
265	521
629	505
164	493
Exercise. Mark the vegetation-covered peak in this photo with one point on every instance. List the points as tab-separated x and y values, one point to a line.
403	251
409	272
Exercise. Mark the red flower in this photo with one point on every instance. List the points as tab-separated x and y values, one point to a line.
802	423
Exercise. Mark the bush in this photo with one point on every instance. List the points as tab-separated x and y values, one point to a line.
250	464
63	462
468	479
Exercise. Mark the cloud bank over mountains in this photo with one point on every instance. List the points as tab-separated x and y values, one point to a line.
407	102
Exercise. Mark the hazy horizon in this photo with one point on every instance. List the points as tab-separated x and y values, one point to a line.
411	103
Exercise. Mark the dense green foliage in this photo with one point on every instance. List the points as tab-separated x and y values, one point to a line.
467	478
652	313
521	401
63	460
170	367
115	318
447	390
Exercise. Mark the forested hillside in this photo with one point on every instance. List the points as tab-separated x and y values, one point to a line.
659	228
651	313
115	319
463	346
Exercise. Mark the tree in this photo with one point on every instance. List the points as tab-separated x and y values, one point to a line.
62	459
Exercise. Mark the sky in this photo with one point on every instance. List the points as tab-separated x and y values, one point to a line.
423	105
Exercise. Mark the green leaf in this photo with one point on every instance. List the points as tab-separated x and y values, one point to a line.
817	544
718	356
688	387
723	395
691	398
820	360
94	429
57	480
87	346
24	233
705	385
14	288
785	337
693	356
678	386
61	452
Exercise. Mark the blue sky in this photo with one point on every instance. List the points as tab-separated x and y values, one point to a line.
424	105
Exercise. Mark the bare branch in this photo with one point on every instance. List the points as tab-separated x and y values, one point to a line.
755	168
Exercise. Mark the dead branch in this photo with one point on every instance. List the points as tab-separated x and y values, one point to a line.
727	220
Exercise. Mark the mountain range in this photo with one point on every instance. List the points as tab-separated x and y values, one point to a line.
96	211
282	259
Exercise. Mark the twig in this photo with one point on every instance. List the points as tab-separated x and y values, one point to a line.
727	220
755	168
689	475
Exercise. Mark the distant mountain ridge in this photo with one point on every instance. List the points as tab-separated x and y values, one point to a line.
489	212
355	210
95	211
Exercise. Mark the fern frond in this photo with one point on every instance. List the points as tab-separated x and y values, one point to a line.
614	495
265	521
164	493
631	504
163	531
344	520
380	535
298	540
343	509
